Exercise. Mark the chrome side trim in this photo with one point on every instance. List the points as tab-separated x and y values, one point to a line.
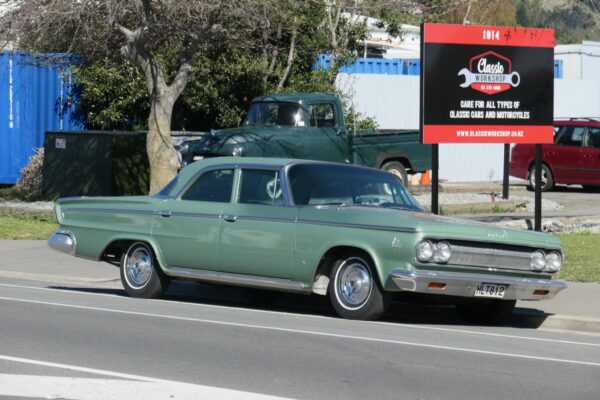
63	241
194	215
259	282
464	285
358	226
116	210
266	219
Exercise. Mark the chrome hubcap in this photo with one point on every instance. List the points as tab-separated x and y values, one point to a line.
544	177
138	267
354	284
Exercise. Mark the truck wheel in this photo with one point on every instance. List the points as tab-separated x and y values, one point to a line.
486	311
140	274
547	178
398	170
354	290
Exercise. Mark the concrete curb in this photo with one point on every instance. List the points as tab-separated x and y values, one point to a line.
105	283
570	323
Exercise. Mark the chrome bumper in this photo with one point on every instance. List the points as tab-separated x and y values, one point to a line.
464	285
62	241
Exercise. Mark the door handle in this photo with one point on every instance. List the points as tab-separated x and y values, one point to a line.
230	217
165	213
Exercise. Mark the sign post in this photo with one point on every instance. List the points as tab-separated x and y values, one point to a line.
486	84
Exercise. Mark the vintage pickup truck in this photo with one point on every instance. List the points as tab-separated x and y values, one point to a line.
311	126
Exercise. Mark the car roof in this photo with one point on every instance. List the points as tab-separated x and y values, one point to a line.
578	122
297	97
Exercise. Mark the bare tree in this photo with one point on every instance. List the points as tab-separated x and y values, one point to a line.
151	34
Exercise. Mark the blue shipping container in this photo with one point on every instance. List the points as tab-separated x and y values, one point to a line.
412	67
37	94
382	66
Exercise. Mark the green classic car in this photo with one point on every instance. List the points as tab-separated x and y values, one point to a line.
352	233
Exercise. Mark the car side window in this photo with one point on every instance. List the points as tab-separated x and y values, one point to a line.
570	135
260	187
322	115
215	186
594	138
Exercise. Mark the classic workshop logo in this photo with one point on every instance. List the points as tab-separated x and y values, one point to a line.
490	73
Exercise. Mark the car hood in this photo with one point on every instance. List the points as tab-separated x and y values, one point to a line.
427	225
234	136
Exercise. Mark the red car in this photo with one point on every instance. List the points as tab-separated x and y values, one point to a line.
574	158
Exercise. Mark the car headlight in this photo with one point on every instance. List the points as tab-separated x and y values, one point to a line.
424	251
442	252
553	261
237	151
538	261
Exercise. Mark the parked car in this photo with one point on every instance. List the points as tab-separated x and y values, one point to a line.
574	158
352	233
311	126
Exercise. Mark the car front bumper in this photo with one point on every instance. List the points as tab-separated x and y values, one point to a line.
464	285
62	241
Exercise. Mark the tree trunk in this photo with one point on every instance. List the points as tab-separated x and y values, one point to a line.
161	153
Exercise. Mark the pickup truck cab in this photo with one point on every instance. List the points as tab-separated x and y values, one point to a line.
311	126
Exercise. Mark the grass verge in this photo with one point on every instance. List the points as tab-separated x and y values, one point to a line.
582	262
32	227
581	257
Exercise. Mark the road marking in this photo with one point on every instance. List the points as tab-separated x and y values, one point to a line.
136	387
325	318
309	332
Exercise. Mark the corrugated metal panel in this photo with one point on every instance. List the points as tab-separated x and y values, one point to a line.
367	65
590	60
36	95
393	100
576	99
471	162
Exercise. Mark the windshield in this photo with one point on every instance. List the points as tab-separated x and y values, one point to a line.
273	113
320	184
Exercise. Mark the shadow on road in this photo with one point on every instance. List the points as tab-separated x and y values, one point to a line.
408	310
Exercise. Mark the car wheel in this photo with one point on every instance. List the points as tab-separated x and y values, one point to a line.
398	170
486	311
354	289
547	178
140	274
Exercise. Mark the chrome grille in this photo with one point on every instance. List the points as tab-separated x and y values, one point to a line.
490	256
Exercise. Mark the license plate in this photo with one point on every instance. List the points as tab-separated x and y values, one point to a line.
490	290
196	158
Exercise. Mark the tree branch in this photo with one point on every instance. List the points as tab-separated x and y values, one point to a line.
290	61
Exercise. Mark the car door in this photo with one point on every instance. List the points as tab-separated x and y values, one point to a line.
590	158
563	157
257	235
325	138
187	228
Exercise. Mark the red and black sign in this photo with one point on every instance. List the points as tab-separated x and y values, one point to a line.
486	84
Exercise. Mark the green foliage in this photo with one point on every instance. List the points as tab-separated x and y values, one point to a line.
358	121
30	184
113	95
573	21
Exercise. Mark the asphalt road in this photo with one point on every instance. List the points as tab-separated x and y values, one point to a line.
65	341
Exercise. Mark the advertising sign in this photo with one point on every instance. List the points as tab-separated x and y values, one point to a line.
487	84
